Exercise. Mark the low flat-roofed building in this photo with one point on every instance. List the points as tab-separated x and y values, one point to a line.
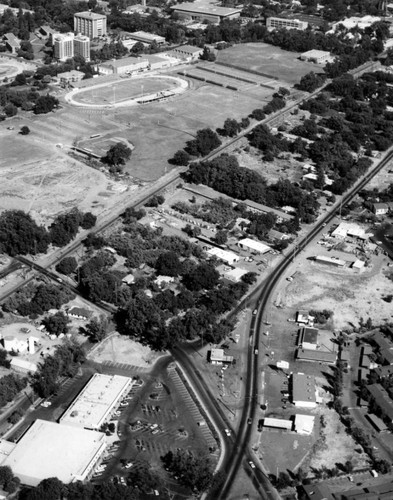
187	52
224	255
97	401
217	356
148	38
69	77
345	229
282	22
210	13
129	279
330	261
316	56
23	366
304	424
308	338
317	355
79	313
278	423
48	450
377	422
358	264
12	42
234	275
382	399
264	209
302	317
304	390
274	235
257	246
122	66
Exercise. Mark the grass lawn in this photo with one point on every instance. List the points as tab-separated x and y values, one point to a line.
267	59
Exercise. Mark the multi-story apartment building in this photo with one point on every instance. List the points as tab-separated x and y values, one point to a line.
63	46
90	24
82	46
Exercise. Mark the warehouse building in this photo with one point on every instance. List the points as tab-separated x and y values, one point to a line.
304	390
48	450
308	338
147	38
304	424
256	246
224	255
278	423
123	66
97	401
330	261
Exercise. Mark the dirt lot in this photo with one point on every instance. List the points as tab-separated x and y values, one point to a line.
118	349
351	295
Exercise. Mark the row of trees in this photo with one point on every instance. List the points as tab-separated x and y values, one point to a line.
20	235
10	386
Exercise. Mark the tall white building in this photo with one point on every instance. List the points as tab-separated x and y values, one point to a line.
63	46
90	24
82	46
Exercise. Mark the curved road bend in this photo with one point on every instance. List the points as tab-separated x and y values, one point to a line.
252	389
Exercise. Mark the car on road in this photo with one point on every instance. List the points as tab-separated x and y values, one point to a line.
249	421
251	464
255	311
227	432
10	128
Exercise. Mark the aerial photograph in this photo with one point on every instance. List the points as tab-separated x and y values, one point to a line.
196	250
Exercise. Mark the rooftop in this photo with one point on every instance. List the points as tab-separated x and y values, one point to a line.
278	423
96	400
303	388
316	53
254	245
316	355
90	15
382	399
310	335
37	455
219	11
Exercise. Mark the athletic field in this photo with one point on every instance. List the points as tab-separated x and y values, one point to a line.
124	90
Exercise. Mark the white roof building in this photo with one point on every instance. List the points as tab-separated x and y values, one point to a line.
129	279
304	424
304	390
217	356
48	450
23	366
234	275
97	400
345	229
258	246
224	255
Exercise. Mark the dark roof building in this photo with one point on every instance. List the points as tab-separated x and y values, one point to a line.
382	399
317	492
384	371
385	347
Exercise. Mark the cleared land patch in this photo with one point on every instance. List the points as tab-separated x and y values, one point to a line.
267	59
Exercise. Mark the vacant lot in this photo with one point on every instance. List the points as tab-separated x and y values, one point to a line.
272	61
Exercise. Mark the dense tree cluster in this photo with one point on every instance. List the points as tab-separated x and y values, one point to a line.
8	481
116	156
226	176
64	363
206	140
10	386
194	472
20	235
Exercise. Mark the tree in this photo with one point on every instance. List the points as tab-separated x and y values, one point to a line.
206	141
24	130
180	158
207	55
20	235
117	155
67	265
57	323
88	221
45	104
168	264
221	237
96	329
311	82
203	276
193	471
65	227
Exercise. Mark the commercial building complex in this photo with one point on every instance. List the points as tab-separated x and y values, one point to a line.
90	24
316	56
147	38
48	450
253	245
212	14
97	401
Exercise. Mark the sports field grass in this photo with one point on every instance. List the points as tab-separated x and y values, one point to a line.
123	90
268	59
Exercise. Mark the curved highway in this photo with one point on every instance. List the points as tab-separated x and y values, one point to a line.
252	390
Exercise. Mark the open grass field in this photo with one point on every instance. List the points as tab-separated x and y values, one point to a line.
280	64
124	90
11	67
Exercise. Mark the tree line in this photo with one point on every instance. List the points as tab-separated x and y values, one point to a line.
20	234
